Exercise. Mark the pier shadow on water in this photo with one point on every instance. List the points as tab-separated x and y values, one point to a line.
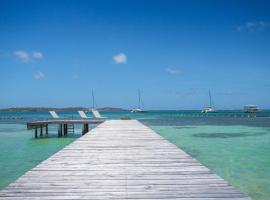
55	136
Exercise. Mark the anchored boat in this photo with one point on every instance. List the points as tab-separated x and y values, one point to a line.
210	107
251	108
140	105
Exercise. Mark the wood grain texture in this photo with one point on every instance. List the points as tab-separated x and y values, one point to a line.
121	159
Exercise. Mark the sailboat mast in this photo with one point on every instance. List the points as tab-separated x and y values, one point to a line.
139	95
93	99
210	99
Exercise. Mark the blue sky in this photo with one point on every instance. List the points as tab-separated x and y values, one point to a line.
53	53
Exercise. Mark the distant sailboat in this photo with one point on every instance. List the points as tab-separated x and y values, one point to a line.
138	109
93	103
210	107
95	111
93	100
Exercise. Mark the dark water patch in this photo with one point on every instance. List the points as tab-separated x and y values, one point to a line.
226	135
54	135
199	121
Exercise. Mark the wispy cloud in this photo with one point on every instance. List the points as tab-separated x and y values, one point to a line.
22	56
253	26
120	58
172	71
38	75
37	55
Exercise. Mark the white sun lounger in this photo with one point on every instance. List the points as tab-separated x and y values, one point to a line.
97	115
54	114
82	114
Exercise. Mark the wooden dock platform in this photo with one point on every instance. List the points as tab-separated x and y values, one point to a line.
120	159
63	125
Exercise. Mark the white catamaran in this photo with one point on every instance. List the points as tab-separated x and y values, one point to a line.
251	108
210	107
139	108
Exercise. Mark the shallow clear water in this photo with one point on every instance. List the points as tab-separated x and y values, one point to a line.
20	152
230	143
239	154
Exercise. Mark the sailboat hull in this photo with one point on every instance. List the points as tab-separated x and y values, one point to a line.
209	109
138	110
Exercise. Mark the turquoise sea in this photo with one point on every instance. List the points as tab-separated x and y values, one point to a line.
233	144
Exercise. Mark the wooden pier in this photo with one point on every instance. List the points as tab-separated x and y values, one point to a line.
121	159
64	125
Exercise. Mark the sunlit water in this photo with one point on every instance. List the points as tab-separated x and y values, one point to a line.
231	144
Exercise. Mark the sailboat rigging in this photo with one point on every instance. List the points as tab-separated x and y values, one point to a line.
93	100
139	108
210	107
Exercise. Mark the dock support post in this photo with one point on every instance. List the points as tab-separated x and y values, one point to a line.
60	130
65	129
85	129
41	131
36	135
46	129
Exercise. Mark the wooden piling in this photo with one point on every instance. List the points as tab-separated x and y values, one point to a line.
41	131
85	129
60	130
46	129
65	129
36	132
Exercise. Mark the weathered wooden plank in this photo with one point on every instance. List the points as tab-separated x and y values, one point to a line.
121	160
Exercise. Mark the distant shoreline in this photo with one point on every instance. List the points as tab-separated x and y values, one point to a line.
67	109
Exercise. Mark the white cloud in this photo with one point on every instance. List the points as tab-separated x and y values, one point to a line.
38	75
120	58
37	55
23	56
253	26
172	71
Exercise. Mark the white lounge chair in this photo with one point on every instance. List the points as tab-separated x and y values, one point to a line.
96	114
82	114
54	114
